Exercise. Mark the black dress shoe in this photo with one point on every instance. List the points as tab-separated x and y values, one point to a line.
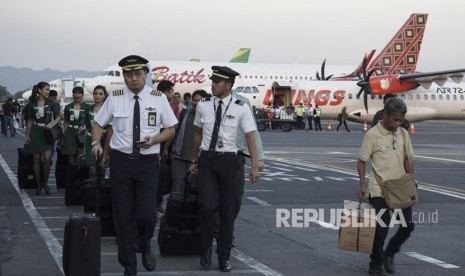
47	189
389	264
376	271
206	258
148	260
224	266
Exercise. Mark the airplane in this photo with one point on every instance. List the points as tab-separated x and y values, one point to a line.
64	86
391	71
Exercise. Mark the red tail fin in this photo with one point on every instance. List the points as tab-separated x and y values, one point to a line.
400	55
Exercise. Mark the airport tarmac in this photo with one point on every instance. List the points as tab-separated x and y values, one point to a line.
304	169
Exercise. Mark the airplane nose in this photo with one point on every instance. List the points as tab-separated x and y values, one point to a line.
90	86
26	95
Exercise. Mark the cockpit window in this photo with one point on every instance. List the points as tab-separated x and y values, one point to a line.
238	89
255	90
247	90
117	73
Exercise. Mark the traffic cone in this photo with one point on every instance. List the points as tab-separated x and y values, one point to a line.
412	129
329	126
365	126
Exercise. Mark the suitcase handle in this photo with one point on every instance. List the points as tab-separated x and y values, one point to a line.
97	183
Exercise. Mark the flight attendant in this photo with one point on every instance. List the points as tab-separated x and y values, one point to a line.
217	122
42	113
99	94
75	117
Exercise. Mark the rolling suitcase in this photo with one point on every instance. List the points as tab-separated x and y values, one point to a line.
61	166
179	232
96	197
82	242
82	245
76	173
26	178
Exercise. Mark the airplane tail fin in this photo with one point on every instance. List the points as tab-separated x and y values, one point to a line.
400	55
242	56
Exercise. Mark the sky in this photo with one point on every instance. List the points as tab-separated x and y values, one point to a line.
92	35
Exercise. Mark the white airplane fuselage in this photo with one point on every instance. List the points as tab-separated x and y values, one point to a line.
446	102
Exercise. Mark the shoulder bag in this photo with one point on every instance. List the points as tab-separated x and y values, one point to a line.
399	193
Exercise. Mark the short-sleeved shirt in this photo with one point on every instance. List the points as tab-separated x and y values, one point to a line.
75	117
118	109
43	115
237	117
378	146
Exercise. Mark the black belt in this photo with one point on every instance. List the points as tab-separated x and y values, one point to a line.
221	153
133	156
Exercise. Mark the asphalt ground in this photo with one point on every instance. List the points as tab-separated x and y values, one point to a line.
304	169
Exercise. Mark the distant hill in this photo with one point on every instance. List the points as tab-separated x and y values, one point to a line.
18	79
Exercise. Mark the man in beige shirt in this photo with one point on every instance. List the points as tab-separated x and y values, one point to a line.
389	148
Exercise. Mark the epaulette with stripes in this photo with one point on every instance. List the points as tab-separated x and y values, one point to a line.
206	99
156	92
118	92
239	102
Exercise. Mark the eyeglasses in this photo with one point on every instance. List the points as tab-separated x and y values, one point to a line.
394	141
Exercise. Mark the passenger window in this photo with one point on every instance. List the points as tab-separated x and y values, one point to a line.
373	97
425	97
448	97
402	96
410	96
418	96
461	97
440	97
433	97
455	97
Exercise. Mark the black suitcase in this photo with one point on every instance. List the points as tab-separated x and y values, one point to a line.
90	193
76	173
179	232
61	167
26	179
82	245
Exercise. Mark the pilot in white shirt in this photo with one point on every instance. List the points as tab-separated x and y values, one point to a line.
217	122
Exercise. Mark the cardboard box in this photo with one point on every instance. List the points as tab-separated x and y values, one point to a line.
357	230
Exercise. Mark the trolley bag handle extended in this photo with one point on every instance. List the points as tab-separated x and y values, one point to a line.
97	184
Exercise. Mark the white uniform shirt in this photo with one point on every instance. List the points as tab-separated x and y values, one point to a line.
236	116
119	110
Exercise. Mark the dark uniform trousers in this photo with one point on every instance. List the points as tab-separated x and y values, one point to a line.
217	184
134	193
402	234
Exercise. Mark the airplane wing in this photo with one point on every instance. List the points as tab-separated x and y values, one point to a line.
438	77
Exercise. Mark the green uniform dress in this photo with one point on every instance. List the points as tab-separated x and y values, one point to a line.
90	159
40	117
75	119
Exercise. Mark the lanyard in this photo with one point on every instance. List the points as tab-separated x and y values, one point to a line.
224	114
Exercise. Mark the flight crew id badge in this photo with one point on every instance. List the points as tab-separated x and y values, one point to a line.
220	142
152	119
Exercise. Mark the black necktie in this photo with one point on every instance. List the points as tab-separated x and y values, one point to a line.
136	128
216	128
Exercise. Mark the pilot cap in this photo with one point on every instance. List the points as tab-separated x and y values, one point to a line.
133	63
223	73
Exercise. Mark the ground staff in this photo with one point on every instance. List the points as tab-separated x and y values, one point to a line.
137	113
217	122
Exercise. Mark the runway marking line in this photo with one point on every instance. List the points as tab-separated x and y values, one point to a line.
51	241
430	260
56	249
